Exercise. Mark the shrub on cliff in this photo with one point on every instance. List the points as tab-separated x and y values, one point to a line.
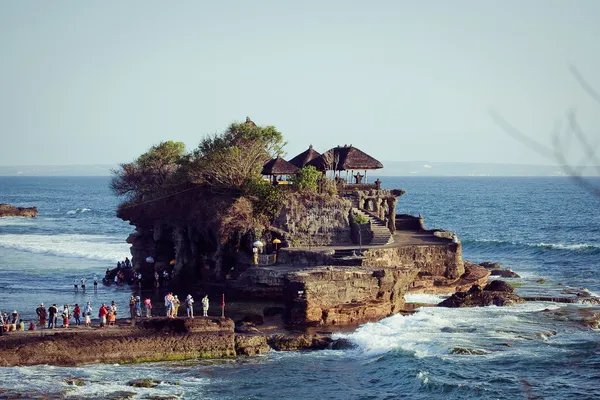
307	179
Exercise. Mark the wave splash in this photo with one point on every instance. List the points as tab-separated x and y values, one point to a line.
78	211
91	247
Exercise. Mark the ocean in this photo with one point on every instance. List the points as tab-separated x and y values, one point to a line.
543	228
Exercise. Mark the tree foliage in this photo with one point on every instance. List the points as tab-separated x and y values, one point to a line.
150	172
307	179
235	157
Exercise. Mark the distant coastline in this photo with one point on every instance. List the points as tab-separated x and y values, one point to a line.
392	168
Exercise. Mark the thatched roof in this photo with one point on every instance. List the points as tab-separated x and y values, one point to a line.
345	158
305	157
278	166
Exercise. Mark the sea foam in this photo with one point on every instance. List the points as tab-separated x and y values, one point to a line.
92	247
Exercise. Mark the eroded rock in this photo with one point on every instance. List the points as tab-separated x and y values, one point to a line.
6	210
497	293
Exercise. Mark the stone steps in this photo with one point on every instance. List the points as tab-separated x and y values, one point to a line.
381	234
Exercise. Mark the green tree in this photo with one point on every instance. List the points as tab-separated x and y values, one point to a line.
235	157
307	179
150	172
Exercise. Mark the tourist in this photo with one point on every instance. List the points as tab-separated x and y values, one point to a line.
127	262
77	314
176	304
83	284
132	307
15	317
205	306
41	313
116	279
148	306
87	311
112	314
66	315
138	306
189	303
21	326
31	326
168	304
95	283
52	316
118	265
156	277
75	285
102	314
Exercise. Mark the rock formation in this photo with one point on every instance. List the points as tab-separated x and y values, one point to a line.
497	293
6	210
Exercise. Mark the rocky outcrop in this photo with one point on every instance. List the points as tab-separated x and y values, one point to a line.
497	270
157	339
345	295
431	284
497	293
6	210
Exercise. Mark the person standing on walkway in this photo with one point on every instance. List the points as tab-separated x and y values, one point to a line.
87	312
95	284
102	312
77	314
148	306
205	306
176	304
66	315
132	307
42	314
189	303
52	312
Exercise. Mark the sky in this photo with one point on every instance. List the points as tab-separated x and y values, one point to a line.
99	82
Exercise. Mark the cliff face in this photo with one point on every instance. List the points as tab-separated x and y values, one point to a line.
6	210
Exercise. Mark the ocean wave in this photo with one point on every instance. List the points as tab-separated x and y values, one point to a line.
576	247
424	298
436	331
91	247
78	211
16	221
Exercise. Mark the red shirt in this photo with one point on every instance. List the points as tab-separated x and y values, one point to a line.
103	311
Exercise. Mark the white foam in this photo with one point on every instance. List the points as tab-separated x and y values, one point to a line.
92	247
78	211
16	221
436	331
424	298
574	247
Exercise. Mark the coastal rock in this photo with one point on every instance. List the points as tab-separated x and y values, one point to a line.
497	270
342	344
298	341
465	351
497	293
144	383
6	210
251	344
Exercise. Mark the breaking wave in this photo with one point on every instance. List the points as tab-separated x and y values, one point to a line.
78	211
577	247
91	247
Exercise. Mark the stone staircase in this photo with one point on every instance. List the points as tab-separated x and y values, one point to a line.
381	234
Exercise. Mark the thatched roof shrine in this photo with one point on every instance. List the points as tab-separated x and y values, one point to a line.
278	166
305	157
345	158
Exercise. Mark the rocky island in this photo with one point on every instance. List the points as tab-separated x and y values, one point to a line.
311	235
6	210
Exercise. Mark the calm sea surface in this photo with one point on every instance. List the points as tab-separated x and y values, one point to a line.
540	227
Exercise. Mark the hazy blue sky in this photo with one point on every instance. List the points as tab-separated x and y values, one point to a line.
100	82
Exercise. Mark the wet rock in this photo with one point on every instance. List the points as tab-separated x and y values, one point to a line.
251	345
342	344
490	265
469	352
497	293
6	210
144	383
122	395
299	341
505	273
75	381
499	286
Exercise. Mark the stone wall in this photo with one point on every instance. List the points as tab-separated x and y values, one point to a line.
440	260
314	220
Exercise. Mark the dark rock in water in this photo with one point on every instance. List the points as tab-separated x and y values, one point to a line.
75	381
6	210
498	286
470	352
144	382
474	289
342	344
299	341
505	273
270	311
122	395
490	265
542	281
497	293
